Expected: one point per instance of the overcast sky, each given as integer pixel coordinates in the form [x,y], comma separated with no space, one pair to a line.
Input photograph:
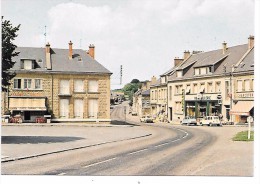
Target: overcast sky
[142,35]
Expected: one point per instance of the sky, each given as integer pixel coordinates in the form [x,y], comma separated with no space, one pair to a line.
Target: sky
[144,36]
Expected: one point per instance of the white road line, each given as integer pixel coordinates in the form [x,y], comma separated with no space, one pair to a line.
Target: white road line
[137,151]
[99,162]
[175,140]
[161,144]
[61,174]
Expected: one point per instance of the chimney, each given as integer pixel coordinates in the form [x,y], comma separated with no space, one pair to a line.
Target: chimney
[251,41]
[186,55]
[48,56]
[153,80]
[177,61]
[70,50]
[91,51]
[224,45]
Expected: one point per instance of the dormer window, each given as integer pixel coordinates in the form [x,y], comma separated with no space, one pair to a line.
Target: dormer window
[179,74]
[203,70]
[27,64]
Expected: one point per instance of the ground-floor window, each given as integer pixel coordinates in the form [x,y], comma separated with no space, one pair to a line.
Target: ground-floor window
[64,108]
[78,108]
[93,108]
[202,108]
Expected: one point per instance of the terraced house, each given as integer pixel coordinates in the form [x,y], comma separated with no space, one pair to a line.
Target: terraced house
[213,83]
[69,84]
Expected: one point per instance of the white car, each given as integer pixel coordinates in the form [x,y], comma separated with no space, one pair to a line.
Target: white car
[210,121]
[146,119]
[189,121]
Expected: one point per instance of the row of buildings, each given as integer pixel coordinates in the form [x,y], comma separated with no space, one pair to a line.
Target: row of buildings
[218,82]
[63,84]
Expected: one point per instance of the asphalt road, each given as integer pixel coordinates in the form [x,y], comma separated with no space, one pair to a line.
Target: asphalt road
[161,154]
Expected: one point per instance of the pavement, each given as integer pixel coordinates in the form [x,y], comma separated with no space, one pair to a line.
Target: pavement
[21,141]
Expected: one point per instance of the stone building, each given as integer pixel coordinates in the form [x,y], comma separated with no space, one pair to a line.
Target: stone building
[203,84]
[243,87]
[159,95]
[68,84]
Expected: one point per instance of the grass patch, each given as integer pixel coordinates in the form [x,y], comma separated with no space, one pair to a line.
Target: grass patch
[242,136]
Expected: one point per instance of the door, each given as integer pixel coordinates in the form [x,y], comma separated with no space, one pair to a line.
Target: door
[27,115]
[78,108]
[64,108]
[92,108]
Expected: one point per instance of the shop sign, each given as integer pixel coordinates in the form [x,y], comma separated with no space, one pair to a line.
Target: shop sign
[200,97]
[245,95]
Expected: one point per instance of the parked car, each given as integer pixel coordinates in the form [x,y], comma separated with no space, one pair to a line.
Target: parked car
[134,113]
[146,119]
[210,121]
[188,120]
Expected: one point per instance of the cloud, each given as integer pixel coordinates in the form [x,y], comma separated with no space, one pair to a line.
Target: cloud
[144,36]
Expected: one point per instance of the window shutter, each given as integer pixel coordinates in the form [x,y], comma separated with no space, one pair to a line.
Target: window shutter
[22,64]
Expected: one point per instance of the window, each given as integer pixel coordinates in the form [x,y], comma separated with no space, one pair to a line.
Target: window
[239,85]
[92,108]
[78,85]
[227,89]
[27,64]
[210,87]
[252,85]
[37,83]
[203,71]
[247,85]
[197,71]
[78,108]
[202,88]
[218,87]
[179,73]
[187,89]
[195,88]
[170,93]
[17,83]
[64,108]
[209,69]
[64,87]
[93,86]
[27,83]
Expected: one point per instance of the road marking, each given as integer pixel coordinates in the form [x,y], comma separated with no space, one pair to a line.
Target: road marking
[137,151]
[61,174]
[175,140]
[101,162]
[161,144]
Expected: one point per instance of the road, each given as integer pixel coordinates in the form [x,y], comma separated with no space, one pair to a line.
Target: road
[170,150]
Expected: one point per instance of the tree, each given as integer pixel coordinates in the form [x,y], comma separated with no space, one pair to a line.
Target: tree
[8,51]
[135,81]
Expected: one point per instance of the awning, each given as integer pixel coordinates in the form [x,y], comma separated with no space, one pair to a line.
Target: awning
[242,108]
[29,104]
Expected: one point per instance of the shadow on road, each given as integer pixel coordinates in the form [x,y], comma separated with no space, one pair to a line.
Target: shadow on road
[37,139]
[116,122]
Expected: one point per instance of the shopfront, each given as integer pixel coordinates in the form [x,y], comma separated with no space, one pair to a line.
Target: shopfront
[29,109]
[200,106]
[241,110]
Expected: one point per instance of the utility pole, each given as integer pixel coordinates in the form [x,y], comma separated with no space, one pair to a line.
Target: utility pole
[121,73]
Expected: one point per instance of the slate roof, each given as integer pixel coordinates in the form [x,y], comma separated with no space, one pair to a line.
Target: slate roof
[146,92]
[247,63]
[60,61]
[215,57]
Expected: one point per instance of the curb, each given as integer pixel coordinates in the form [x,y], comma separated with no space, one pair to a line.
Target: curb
[71,149]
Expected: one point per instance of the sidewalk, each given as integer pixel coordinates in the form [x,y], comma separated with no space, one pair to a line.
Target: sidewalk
[21,141]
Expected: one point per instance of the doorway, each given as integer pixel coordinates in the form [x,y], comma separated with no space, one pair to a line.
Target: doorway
[27,115]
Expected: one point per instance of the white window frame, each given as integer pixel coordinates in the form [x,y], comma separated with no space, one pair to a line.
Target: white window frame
[27,83]
[16,86]
[239,85]
[64,108]
[93,108]
[27,64]
[38,85]
[247,85]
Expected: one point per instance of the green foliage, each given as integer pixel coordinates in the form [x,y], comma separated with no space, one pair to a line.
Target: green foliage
[242,136]
[135,81]
[8,36]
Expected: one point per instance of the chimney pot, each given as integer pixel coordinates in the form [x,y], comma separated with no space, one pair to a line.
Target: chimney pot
[251,40]
[48,48]
[177,61]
